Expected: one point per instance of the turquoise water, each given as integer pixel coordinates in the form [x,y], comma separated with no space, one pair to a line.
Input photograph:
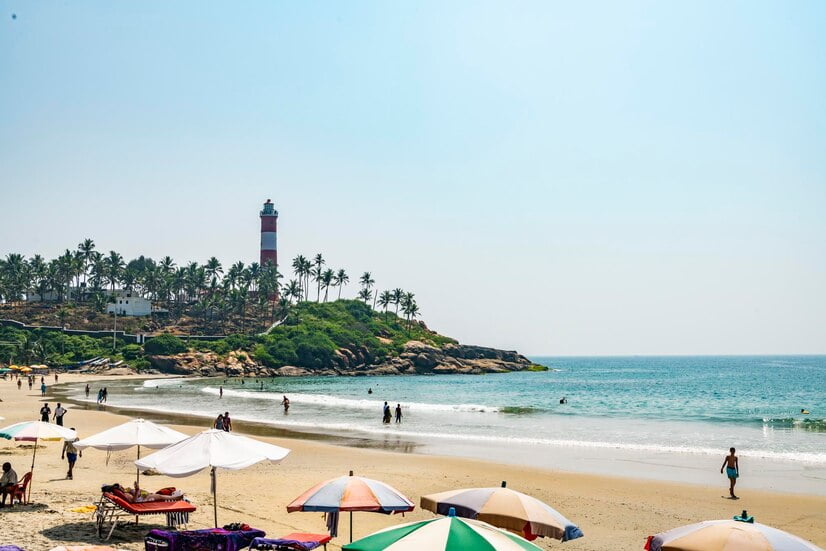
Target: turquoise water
[682,405]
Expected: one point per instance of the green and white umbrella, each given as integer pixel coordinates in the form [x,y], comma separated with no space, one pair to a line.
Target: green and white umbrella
[449,533]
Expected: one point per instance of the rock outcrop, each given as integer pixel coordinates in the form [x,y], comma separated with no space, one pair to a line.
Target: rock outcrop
[417,358]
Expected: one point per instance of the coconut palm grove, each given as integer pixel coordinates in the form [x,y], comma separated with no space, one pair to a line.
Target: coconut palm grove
[300,322]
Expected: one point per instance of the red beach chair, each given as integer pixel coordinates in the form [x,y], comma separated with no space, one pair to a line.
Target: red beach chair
[112,508]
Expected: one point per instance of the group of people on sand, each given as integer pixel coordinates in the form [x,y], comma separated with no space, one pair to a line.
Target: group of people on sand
[223,422]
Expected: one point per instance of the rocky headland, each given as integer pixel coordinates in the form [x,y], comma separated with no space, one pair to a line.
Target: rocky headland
[417,358]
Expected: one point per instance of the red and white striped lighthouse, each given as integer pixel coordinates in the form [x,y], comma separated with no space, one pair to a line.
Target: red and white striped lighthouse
[269,221]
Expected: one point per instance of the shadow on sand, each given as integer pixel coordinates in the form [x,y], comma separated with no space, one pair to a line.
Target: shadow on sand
[85,532]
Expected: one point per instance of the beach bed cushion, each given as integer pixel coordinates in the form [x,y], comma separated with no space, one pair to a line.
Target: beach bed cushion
[299,541]
[209,539]
[151,507]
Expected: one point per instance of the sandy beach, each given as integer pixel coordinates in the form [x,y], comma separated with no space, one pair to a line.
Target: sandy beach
[614,513]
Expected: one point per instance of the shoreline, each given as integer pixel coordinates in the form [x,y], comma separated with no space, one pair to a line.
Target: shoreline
[613,512]
[638,462]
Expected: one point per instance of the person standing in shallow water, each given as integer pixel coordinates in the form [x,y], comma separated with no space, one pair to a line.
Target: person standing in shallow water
[732,467]
[398,413]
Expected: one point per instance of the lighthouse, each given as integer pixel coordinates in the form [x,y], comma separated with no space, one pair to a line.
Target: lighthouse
[269,220]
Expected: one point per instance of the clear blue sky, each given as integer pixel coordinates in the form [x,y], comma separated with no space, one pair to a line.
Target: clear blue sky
[556,177]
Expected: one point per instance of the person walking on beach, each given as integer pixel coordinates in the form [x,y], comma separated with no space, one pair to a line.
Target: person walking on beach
[398,413]
[220,392]
[42,389]
[87,390]
[227,422]
[31,382]
[70,453]
[105,394]
[59,412]
[45,411]
[55,376]
[732,467]
[100,395]
[219,422]
[19,383]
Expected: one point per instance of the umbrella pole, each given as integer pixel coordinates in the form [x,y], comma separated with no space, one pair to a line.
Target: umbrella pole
[34,454]
[138,479]
[214,496]
[351,526]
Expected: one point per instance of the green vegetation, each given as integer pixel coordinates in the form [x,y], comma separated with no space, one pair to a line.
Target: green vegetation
[537,367]
[165,345]
[311,336]
[312,332]
[55,348]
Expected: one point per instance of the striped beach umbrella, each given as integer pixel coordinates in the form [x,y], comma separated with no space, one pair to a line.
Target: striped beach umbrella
[34,431]
[449,533]
[505,508]
[351,493]
[722,535]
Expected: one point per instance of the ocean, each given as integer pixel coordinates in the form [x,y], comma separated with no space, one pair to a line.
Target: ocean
[670,418]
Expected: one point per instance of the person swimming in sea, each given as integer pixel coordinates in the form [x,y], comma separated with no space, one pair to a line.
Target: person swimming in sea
[369,391]
[804,412]
[732,467]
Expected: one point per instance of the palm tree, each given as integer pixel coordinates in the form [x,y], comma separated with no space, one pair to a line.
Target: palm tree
[293,291]
[398,294]
[318,262]
[301,271]
[341,279]
[86,248]
[114,268]
[365,295]
[367,281]
[409,307]
[385,298]
[327,278]
[213,270]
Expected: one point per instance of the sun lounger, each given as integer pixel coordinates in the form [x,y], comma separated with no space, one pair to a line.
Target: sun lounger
[113,508]
[210,538]
[297,541]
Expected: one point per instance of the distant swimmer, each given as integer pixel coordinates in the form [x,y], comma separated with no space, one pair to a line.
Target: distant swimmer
[564,400]
[732,467]
[804,411]
[369,391]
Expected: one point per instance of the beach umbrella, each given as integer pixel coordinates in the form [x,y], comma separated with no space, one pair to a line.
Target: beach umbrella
[722,535]
[213,449]
[351,493]
[505,508]
[449,533]
[34,431]
[137,432]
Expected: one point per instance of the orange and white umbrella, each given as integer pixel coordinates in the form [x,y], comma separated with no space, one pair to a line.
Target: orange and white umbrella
[505,508]
[727,535]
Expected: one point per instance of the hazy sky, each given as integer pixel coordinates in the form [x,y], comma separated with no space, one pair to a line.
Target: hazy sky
[555,177]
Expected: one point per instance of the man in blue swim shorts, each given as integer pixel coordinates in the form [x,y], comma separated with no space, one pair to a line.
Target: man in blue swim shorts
[70,452]
[732,468]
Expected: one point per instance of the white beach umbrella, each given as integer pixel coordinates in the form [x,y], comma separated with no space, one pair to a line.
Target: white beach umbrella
[34,431]
[137,432]
[211,448]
